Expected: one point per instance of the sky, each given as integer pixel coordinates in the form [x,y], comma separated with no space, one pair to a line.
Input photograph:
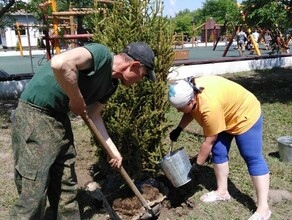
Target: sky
[171,7]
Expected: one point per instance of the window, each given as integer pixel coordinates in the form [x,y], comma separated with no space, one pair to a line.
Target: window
[21,31]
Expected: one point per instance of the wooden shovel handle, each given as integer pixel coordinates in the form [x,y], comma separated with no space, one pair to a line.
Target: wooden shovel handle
[122,171]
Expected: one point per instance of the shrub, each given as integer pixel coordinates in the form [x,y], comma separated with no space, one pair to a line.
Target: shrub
[135,116]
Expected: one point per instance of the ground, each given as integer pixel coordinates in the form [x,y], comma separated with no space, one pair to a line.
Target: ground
[177,203]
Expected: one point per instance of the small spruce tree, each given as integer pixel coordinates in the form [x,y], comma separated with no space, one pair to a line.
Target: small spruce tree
[135,116]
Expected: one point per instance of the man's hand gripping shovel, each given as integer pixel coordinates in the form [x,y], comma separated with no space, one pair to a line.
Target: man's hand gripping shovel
[150,212]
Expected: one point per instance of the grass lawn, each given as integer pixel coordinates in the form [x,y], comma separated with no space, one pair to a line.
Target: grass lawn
[274,90]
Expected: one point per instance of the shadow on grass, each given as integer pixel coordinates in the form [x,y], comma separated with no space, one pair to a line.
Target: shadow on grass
[207,180]
[269,86]
[275,154]
[88,205]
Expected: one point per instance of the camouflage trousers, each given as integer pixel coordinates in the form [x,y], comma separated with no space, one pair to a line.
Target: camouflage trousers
[44,159]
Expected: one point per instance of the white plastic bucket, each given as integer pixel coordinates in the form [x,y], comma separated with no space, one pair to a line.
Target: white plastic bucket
[285,148]
[176,166]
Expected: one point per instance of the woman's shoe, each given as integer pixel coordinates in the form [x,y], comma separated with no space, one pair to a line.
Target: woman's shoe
[213,197]
[257,216]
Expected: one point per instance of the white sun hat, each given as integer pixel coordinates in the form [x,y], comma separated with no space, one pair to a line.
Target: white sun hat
[180,93]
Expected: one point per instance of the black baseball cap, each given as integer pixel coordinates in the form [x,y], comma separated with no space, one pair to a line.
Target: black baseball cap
[144,54]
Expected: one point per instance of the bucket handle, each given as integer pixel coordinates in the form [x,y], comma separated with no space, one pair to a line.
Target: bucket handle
[171,147]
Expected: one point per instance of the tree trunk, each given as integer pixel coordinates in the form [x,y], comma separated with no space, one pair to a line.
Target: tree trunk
[6,7]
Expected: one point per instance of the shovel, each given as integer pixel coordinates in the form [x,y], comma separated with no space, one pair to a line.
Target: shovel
[122,171]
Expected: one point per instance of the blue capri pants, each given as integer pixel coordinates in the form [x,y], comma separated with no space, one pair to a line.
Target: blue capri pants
[249,145]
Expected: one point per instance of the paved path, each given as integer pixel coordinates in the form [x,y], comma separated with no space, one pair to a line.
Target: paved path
[12,63]
[21,65]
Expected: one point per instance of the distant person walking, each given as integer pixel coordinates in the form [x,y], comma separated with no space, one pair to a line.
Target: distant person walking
[241,39]
[268,39]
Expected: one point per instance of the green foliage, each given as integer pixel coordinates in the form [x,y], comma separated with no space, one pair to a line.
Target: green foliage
[183,22]
[268,14]
[6,8]
[221,10]
[135,115]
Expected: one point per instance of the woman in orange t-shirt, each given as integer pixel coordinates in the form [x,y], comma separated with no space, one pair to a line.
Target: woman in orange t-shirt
[225,110]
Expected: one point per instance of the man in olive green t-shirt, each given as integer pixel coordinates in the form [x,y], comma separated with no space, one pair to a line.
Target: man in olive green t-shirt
[80,80]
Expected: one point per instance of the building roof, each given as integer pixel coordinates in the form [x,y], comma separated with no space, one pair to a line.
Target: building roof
[210,23]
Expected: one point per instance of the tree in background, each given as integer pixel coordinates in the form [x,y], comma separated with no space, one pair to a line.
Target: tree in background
[268,14]
[184,21]
[220,10]
[135,116]
[6,8]
[259,13]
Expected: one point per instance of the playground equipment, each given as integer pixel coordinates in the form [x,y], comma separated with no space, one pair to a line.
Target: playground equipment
[54,39]
[181,54]
[235,29]
[231,40]
[179,40]
[209,32]
[254,43]
[224,32]
[50,29]
[278,43]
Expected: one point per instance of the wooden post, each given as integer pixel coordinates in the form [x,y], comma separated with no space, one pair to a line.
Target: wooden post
[230,41]
[19,39]
[193,32]
[214,35]
[72,27]
[182,40]
[43,7]
[55,22]
[206,33]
